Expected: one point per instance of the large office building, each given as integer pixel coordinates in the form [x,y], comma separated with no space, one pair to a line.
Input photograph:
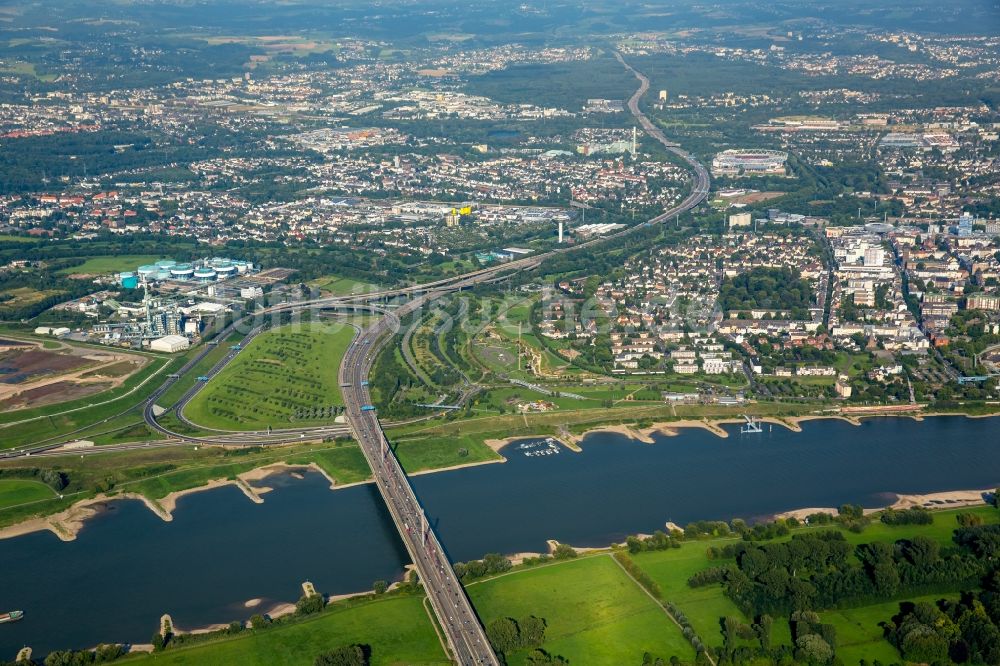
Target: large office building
[739,162]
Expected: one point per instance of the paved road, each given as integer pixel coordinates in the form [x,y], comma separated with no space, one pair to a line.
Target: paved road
[462,627]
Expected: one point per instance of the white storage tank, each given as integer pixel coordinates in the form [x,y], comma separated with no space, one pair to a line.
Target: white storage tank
[147,271]
[204,274]
[182,272]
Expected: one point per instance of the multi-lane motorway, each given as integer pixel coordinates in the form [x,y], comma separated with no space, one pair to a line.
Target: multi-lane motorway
[464,632]
[462,627]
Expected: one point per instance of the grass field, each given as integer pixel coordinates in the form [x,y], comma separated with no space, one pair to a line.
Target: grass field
[284,376]
[397,629]
[702,606]
[859,635]
[16,491]
[26,68]
[342,286]
[422,453]
[113,263]
[595,613]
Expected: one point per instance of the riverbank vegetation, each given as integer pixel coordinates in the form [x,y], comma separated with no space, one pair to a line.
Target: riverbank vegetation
[157,472]
[392,629]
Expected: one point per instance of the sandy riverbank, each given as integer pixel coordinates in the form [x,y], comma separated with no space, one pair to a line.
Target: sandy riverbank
[714,426]
[950,499]
[276,610]
[582,550]
[451,468]
[641,435]
[67,523]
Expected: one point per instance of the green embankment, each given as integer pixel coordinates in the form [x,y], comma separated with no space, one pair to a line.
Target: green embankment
[285,377]
[424,453]
[397,629]
[18,491]
[213,356]
[595,613]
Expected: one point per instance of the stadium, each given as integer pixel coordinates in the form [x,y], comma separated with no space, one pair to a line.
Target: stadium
[738,162]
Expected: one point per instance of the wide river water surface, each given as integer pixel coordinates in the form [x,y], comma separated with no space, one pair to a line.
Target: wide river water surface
[127,567]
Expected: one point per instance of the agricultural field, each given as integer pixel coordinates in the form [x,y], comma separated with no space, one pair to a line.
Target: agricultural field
[112,264]
[85,416]
[594,612]
[20,365]
[397,629]
[295,44]
[9,238]
[285,376]
[52,393]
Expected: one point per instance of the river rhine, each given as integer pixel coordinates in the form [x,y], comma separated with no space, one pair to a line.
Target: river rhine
[127,567]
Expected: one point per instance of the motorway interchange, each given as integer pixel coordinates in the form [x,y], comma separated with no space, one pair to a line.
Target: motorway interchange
[464,632]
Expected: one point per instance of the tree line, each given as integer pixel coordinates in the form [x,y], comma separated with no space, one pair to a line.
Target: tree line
[814,571]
